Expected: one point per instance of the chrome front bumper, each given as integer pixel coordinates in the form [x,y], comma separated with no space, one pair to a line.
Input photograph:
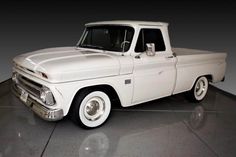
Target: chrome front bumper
[42,111]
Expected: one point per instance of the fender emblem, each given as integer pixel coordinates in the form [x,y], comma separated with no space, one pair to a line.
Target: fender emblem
[128,81]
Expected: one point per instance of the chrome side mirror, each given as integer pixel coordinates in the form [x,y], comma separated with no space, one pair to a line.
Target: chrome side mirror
[150,49]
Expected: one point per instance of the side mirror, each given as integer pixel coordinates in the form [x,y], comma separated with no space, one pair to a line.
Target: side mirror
[150,49]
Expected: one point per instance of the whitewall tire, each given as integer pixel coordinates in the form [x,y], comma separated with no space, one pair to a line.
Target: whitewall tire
[199,90]
[91,108]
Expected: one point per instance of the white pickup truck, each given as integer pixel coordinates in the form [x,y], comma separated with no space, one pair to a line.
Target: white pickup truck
[130,62]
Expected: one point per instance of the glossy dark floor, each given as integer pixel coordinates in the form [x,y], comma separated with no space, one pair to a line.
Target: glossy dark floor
[169,127]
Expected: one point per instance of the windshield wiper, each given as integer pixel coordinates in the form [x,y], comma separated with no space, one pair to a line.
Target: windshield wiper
[92,46]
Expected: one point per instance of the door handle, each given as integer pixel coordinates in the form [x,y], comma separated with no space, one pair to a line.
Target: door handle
[137,57]
[170,57]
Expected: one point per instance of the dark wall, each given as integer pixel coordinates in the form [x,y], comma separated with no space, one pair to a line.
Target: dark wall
[32,25]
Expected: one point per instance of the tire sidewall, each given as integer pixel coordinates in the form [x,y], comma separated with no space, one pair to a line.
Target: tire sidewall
[200,98]
[92,124]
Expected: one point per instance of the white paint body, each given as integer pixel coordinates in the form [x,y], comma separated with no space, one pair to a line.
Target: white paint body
[69,69]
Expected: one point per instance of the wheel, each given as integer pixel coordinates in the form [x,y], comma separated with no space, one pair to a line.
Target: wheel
[199,90]
[91,109]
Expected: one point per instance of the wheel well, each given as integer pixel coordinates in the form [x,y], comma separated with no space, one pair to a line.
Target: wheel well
[109,90]
[209,78]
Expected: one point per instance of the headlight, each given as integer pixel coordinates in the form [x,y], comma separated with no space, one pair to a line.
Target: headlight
[46,96]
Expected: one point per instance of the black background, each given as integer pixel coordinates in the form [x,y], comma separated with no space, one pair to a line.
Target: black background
[32,25]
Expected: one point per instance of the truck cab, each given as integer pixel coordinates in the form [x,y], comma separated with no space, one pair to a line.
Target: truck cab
[150,66]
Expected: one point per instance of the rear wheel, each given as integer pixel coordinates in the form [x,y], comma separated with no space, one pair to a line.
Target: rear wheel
[199,90]
[91,108]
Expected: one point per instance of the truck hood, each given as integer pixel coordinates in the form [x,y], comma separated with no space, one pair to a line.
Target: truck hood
[63,64]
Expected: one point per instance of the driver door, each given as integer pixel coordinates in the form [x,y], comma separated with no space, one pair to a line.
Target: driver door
[154,76]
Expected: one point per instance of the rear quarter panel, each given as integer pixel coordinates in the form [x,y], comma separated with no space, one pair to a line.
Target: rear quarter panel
[190,67]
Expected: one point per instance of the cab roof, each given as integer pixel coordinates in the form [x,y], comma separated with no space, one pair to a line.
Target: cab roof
[128,23]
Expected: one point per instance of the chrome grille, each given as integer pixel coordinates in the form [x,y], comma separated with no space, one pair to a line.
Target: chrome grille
[29,85]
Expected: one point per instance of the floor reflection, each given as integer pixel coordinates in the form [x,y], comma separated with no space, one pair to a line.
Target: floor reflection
[198,118]
[96,144]
[170,139]
[171,126]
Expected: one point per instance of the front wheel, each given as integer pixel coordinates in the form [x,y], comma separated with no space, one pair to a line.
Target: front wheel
[199,90]
[91,108]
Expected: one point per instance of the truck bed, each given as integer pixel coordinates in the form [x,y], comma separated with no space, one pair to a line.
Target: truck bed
[191,56]
[192,63]
[186,51]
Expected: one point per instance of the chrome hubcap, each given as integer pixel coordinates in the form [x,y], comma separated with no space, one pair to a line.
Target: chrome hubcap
[200,88]
[94,108]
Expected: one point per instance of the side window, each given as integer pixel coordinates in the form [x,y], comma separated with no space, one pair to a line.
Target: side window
[150,36]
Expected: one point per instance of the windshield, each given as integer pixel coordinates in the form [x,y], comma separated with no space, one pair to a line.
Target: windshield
[110,38]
